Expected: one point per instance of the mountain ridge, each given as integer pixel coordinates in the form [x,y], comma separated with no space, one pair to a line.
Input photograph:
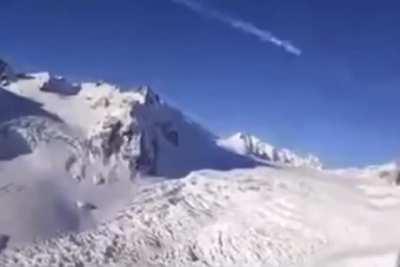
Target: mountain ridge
[110,125]
[247,144]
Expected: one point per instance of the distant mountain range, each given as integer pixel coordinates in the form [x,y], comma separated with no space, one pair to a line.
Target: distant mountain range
[246,144]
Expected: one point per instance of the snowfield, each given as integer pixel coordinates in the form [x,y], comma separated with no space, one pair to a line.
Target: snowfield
[94,175]
[259,217]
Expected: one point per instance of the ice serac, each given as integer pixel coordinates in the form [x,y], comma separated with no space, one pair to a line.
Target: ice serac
[246,144]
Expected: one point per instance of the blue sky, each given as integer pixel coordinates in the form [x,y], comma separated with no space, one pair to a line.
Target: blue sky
[339,99]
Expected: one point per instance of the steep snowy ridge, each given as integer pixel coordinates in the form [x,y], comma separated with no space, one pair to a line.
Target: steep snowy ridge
[246,144]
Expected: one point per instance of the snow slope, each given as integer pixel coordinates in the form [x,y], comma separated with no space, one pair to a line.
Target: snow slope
[259,217]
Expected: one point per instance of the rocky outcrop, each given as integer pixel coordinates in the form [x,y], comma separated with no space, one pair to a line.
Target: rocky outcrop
[119,141]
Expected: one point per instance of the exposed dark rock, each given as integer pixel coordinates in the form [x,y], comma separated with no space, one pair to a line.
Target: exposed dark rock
[113,143]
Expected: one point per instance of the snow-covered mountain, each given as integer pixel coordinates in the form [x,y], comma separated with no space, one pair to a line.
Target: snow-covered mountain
[106,129]
[89,177]
[246,144]
[84,148]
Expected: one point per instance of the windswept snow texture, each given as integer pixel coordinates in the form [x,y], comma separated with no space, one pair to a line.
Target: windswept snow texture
[260,217]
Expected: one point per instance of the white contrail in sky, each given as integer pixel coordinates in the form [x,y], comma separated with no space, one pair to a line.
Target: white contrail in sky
[241,25]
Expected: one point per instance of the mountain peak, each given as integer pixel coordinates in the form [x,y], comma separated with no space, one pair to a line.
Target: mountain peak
[150,97]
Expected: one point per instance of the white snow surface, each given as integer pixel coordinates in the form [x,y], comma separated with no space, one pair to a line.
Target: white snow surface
[93,175]
[258,217]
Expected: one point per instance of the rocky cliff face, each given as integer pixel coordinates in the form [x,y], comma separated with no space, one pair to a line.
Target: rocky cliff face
[122,139]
